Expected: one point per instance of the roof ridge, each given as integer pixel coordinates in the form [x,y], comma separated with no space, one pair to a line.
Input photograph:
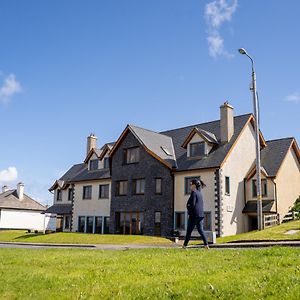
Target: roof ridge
[161,133]
[195,125]
[280,139]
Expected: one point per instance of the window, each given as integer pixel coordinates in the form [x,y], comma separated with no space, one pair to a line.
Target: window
[93,164]
[104,191]
[132,155]
[139,186]
[227,185]
[187,181]
[98,224]
[67,222]
[207,221]
[121,188]
[106,163]
[179,220]
[106,224]
[264,188]
[58,195]
[87,192]
[197,149]
[158,186]
[157,227]
[81,224]
[70,194]
[89,224]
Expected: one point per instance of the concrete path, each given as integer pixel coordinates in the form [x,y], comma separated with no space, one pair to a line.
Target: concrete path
[132,246]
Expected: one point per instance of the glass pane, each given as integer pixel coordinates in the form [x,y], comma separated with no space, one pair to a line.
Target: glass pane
[81,221]
[89,224]
[106,224]
[98,225]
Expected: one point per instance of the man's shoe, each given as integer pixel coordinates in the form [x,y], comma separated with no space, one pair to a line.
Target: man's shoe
[206,247]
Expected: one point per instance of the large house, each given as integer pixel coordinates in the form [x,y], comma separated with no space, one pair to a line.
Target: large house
[19,211]
[140,183]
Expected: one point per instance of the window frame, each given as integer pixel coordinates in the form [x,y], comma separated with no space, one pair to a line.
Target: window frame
[70,193]
[134,181]
[59,195]
[126,152]
[92,163]
[194,144]
[101,196]
[84,194]
[161,185]
[106,163]
[264,188]
[179,213]
[227,185]
[118,188]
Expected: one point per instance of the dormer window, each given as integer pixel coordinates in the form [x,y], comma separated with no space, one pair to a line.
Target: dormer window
[197,149]
[93,164]
[106,163]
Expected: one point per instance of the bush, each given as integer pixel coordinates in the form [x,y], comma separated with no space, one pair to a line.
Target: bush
[296,207]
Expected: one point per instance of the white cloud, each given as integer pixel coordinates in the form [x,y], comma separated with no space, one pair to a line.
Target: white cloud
[8,175]
[216,13]
[10,87]
[295,97]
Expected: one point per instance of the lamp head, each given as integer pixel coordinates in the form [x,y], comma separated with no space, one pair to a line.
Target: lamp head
[242,51]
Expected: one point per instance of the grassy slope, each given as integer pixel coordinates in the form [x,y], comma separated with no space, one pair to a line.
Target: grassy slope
[79,238]
[272,233]
[152,273]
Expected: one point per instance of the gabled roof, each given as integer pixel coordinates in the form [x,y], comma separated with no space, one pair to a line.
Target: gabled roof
[92,151]
[10,200]
[251,206]
[86,175]
[218,155]
[207,136]
[274,154]
[158,145]
[105,149]
[64,180]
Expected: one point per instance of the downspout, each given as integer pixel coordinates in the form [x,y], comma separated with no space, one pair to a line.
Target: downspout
[218,200]
[72,207]
[276,200]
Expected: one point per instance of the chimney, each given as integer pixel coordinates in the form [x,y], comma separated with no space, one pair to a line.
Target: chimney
[226,124]
[4,188]
[20,190]
[91,143]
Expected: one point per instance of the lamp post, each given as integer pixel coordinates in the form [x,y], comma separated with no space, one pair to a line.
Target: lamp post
[257,144]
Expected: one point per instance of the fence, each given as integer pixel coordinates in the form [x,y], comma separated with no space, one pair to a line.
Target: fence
[293,215]
[270,220]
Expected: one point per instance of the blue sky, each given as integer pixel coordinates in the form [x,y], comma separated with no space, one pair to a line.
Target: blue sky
[70,67]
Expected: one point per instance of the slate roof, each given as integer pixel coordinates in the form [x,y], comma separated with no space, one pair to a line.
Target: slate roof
[86,175]
[60,209]
[217,154]
[273,155]
[158,143]
[251,206]
[73,171]
[9,199]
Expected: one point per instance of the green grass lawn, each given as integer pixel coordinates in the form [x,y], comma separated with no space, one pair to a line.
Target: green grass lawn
[273,234]
[272,273]
[79,238]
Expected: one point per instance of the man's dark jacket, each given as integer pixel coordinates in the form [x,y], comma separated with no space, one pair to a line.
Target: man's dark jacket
[195,204]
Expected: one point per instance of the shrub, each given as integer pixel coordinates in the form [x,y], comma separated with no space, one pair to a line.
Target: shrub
[296,207]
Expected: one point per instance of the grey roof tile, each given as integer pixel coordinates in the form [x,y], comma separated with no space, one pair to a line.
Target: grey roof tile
[60,209]
[217,154]
[251,206]
[9,199]
[273,155]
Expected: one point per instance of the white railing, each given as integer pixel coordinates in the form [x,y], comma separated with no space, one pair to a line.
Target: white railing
[290,216]
[270,220]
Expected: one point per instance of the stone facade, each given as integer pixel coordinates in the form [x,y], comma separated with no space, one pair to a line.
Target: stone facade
[148,168]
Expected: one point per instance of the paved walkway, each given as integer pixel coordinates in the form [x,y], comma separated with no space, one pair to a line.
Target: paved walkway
[132,246]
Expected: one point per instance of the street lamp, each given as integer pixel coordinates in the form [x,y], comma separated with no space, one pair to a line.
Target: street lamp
[258,162]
